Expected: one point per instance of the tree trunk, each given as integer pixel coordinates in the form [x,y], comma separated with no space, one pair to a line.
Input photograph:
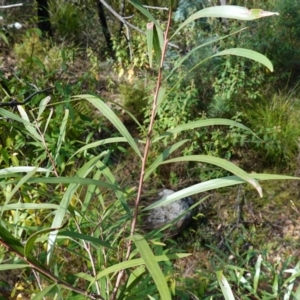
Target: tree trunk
[43,15]
[106,33]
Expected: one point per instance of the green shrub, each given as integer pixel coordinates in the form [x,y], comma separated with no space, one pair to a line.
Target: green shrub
[67,19]
[135,99]
[276,122]
[80,238]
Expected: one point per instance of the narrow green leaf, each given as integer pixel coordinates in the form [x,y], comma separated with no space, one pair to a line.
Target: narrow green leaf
[100,143]
[112,117]
[265,61]
[144,11]
[113,181]
[80,236]
[13,170]
[225,287]
[129,264]
[136,273]
[275,286]
[44,292]
[31,240]
[152,266]
[259,13]
[202,123]
[4,267]
[248,54]
[297,293]
[222,163]
[148,15]
[43,105]
[290,282]
[7,114]
[149,34]
[48,120]
[180,61]
[66,180]
[7,238]
[225,11]
[158,40]
[30,127]
[257,272]
[273,177]
[62,134]
[161,95]
[21,205]
[39,63]
[214,184]
[160,158]
[3,37]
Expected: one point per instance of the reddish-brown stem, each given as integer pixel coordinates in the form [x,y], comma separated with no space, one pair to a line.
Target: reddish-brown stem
[146,152]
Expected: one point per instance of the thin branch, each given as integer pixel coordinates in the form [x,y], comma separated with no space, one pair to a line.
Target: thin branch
[156,7]
[14,103]
[36,265]
[12,5]
[145,156]
[123,19]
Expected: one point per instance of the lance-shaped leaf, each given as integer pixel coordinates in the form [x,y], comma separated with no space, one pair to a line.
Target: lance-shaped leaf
[100,143]
[202,123]
[152,266]
[226,11]
[181,60]
[257,273]
[3,37]
[222,163]
[43,105]
[214,184]
[256,56]
[67,180]
[30,127]
[15,246]
[80,236]
[112,117]
[31,240]
[150,28]
[160,97]
[22,205]
[248,54]
[160,158]
[62,134]
[128,264]
[157,45]
[225,287]
[9,115]
[14,170]
[41,295]
[147,14]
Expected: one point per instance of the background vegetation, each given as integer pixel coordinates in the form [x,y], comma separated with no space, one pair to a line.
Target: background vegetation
[252,241]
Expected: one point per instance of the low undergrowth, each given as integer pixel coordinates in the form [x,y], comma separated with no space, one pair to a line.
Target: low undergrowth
[76,175]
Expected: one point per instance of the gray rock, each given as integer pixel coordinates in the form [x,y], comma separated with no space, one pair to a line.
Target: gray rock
[160,216]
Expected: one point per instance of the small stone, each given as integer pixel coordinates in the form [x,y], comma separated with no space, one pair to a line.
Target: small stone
[160,216]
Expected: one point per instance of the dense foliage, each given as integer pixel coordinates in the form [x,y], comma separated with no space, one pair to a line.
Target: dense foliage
[75,170]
